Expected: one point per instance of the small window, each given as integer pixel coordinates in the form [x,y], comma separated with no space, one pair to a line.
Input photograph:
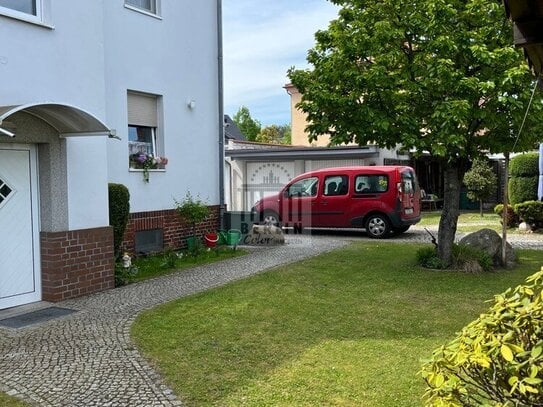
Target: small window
[336,185]
[22,6]
[371,184]
[143,132]
[303,187]
[146,5]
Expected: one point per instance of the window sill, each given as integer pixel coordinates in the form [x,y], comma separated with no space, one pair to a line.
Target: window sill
[142,11]
[150,170]
[25,18]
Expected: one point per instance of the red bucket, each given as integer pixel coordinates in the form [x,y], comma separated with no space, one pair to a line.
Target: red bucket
[211,239]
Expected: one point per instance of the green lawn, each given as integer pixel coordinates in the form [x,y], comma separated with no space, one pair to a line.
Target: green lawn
[6,400]
[169,262]
[467,221]
[347,328]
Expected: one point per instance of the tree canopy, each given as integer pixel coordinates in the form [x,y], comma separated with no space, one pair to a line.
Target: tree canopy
[437,76]
[248,126]
[275,134]
[481,182]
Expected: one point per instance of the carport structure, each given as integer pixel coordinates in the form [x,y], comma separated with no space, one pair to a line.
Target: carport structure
[527,17]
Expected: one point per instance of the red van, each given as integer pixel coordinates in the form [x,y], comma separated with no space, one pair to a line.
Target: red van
[384,200]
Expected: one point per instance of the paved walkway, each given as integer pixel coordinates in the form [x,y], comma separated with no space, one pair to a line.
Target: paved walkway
[88,359]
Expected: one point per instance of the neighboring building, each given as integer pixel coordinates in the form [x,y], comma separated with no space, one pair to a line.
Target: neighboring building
[72,76]
[254,170]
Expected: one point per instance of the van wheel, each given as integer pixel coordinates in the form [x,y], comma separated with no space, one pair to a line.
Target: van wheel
[271,218]
[377,226]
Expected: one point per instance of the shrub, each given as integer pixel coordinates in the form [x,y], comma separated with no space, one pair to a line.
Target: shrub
[524,171]
[512,217]
[524,165]
[470,259]
[427,257]
[192,210]
[530,212]
[119,210]
[522,189]
[496,359]
[465,258]
[170,258]
[481,182]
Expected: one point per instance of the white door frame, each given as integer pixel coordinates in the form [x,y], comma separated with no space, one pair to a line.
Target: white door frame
[36,295]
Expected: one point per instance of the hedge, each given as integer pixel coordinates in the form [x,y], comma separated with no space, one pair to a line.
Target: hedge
[525,165]
[522,189]
[119,210]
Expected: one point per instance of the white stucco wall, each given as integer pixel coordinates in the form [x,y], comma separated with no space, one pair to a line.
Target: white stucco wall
[64,65]
[174,57]
[96,52]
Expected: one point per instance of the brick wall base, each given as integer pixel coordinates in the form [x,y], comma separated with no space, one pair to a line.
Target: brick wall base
[174,229]
[77,262]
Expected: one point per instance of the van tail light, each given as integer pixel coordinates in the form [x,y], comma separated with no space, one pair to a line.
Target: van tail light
[399,188]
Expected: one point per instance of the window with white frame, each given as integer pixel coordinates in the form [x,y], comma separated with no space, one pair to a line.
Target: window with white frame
[142,128]
[145,5]
[21,8]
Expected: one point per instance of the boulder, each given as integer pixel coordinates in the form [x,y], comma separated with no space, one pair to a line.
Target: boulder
[265,235]
[490,242]
[524,228]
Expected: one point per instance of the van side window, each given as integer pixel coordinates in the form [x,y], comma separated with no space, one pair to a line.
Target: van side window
[303,187]
[336,185]
[370,184]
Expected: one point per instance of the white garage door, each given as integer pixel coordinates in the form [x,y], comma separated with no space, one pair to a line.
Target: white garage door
[19,259]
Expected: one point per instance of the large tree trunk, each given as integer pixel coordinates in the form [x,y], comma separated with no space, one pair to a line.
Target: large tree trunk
[454,173]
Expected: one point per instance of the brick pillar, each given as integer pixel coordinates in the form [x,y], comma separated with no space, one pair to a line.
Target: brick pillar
[77,262]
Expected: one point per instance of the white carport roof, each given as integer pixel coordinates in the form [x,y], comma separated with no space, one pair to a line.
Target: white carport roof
[68,120]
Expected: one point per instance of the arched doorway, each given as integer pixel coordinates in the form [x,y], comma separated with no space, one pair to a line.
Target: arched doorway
[33,198]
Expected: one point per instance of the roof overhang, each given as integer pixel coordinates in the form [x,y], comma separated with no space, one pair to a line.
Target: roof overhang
[303,153]
[527,17]
[67,120]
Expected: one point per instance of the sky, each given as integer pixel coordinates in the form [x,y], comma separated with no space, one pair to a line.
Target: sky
[262,39]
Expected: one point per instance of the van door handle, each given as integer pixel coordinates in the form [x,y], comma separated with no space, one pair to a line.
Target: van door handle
[324,202]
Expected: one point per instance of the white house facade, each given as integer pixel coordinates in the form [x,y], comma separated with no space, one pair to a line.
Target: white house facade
[88,92]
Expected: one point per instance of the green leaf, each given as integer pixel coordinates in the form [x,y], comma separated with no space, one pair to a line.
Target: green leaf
[507,353]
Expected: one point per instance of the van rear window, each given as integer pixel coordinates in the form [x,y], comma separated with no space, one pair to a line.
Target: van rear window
[370,184]
[409,182]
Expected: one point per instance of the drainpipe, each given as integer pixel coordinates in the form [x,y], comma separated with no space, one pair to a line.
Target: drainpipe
[221,114]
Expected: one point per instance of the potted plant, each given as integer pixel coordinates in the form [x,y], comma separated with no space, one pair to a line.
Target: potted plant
[147,162]
[193,211]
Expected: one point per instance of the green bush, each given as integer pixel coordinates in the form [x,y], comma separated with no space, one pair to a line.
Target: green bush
[470,259]
[464,258]
[496,359]
[481,182]
[427,257]
[522,189]
[530,212]
[512,217]
[524,165]
[192,210]
[119,210]
[524,171]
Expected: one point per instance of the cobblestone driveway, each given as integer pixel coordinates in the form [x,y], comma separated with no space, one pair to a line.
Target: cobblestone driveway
[87,358]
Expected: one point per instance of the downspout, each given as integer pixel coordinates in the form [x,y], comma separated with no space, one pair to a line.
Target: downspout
[221,113]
